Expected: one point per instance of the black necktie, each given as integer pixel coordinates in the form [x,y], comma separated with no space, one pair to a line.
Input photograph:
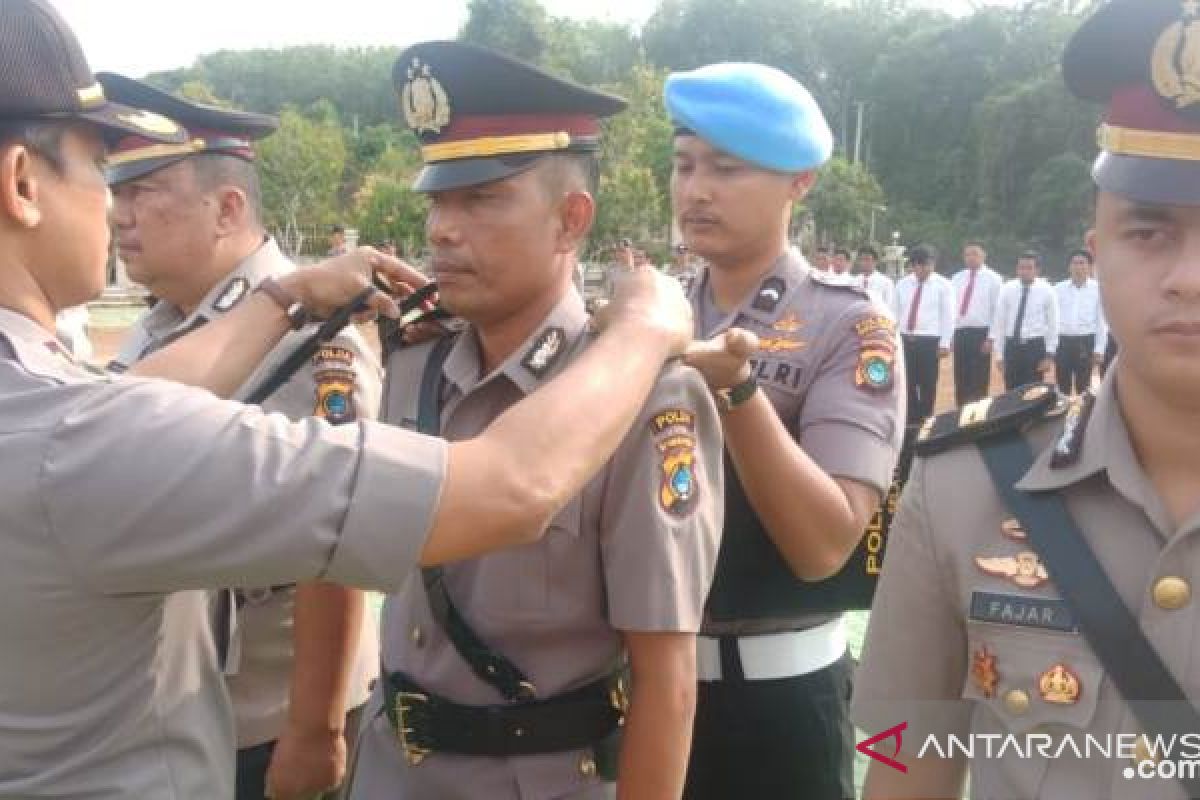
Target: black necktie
[1021,311]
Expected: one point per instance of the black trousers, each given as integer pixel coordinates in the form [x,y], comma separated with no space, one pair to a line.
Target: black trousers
[1021,360]
[921,366]
[786,739]
[972,369]
[1073,363]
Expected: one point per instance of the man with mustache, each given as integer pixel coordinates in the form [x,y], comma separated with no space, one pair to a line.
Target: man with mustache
[1097,643]
[123,498]
[812,434]
[503,676]
[298,659]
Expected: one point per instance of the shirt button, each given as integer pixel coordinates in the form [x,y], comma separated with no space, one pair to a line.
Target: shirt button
[1171,593]
[1017,702]
[417,636]
[587,767]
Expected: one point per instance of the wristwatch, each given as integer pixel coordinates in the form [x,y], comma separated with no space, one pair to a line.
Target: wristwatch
[292,307]
[730,398]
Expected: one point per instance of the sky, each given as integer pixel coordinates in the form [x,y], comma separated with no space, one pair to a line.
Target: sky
[139,36]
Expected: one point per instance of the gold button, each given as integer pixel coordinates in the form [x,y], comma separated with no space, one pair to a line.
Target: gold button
[418,636]
[587,767]
[1142,751]
[1171,593]
[1017,702]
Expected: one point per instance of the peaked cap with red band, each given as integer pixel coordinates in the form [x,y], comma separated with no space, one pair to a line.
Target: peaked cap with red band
[209,130]
[1142,58]
[482,116]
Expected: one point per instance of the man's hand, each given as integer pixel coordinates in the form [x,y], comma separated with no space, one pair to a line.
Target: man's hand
[652,300]
[326,287]
[943,352]
[724,359]
[306,764]
[986,347]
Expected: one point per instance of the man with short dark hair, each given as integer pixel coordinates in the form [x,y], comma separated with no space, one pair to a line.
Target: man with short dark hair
[976,289]
[924,309]
[880,286]
[1025,325]
[1081,340]
[298,659]
[840,266]
[337,240]
[821,259]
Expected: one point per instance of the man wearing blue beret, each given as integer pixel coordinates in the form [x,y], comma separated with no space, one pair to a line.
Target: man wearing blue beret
[812,430]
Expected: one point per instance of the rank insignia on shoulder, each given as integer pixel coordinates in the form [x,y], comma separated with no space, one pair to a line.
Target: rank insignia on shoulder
[231,295]
[1013,529]
[769,294]
[1060,685]
[1024,569]
[674,430]
[983,671]
[1070,443]
[986,417]
[333,369]
[545,351]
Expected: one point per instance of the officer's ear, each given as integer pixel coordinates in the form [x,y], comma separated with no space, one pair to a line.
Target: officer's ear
[576,213]
[232,208]
[19,186]
[1089,241]
[801,184]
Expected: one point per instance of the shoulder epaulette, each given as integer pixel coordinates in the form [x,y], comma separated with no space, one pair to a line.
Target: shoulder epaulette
[825,279]
[987,417]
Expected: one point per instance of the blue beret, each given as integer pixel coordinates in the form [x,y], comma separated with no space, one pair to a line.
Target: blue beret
[757,113]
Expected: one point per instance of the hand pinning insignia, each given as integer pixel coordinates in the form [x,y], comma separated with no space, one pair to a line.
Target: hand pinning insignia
[675,432]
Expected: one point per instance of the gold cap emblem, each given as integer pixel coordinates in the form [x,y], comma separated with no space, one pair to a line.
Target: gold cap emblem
[423,100]
[1175,62]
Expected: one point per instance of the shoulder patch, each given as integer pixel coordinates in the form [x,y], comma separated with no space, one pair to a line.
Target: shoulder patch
[231,295]
[1070,442]
[333,369]
[876,353]
[986,417]
[674,433]
[828,280]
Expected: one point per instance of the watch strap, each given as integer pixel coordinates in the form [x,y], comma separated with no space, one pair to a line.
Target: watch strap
[292,307]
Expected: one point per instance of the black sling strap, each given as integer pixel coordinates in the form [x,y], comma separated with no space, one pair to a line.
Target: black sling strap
[1109,627]
[491,667]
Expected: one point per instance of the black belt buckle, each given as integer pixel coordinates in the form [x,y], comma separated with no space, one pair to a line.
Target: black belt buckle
[412,720]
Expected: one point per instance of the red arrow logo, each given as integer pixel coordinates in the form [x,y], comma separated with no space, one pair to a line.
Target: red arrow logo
[896,732]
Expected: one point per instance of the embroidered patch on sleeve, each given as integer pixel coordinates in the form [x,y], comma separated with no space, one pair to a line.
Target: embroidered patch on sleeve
[674,432]
[876,353]
[333,369]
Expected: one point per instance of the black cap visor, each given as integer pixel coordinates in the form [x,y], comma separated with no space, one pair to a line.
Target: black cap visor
[443,175]
[1154,181]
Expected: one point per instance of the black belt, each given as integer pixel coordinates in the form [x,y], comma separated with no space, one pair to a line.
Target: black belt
[426,723]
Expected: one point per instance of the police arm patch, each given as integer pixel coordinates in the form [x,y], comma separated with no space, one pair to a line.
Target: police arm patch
[876,353]
[674,433]
[333,368]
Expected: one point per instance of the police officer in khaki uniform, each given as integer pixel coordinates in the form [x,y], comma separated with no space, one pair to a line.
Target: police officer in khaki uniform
[980,625]
[812,435]
[188,227]
[118,495]
[503,675]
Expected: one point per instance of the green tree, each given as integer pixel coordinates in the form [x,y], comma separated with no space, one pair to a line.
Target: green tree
[519,28]
[842,202]
[386,207]
[301,167]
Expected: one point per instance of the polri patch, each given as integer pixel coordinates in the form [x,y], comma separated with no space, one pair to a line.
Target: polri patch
[545,351]
[1049,614]
[674,430]
[333,368]
[231,295]
[769,294]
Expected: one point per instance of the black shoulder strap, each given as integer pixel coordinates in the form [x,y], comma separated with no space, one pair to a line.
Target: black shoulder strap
[1111,630]
[491,667]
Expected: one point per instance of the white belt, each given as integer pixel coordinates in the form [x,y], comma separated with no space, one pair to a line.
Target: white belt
[776,655]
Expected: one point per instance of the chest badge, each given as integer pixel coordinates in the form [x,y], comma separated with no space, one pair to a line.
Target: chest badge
[1060,685]
[788,323]
[983,671]
[1024,569]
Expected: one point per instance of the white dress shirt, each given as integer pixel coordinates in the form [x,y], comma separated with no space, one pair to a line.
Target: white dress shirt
[879,286]
[1041,314]
[1101,333]
[981,306]
[1079,310]
[935,314]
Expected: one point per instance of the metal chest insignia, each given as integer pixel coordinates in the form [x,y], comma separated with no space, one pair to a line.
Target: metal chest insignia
[674,430]
[1024,569]
[983,671]
[1060,685]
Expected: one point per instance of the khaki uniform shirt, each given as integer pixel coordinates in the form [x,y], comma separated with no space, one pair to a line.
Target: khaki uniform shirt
[341,383]
[960,642]
[625,555]
[117,496]
[829,364]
